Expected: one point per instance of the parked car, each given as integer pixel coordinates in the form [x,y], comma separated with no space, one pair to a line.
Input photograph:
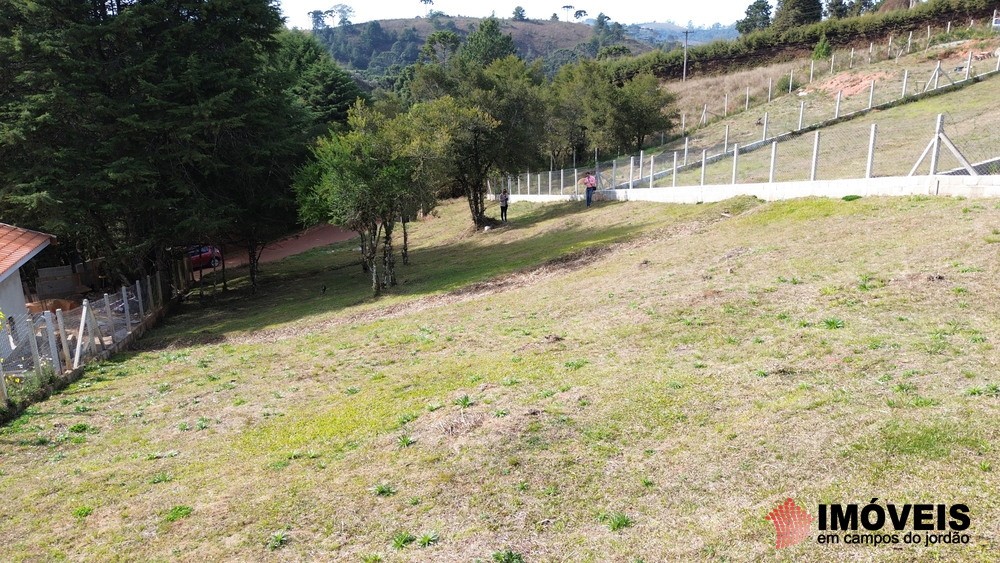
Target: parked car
[204,256]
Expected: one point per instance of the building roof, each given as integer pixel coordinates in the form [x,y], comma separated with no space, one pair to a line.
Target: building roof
[17,246]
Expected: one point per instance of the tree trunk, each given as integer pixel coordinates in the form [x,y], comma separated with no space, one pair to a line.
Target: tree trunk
[406,242]
[364,251]
[371,250]
[388,258]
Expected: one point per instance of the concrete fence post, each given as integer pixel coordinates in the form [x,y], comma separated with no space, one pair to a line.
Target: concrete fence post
[968,66]
[815,159]
[79,333]
[704,158]
[948,29]
[631,171]
[736,160]
[769,82]
[35,354]
[909,43]
[937,74]
[812,68]
[774,161]
[562,180]
[764,137]
[791,80]
[871,49]
[673,182]
[111,318]
[747,107]
[725,106]
[685,151]
[928,46]
[550,182]
[998,64]
[683,122]
[871,95]
[851,65]
[833,62]
[128,310]
[53,349]
[725,142]
[871,151]
[138,295]
[936,149]
[906,78]
[652,168]
[64,338]
[576,182]
[642,157]
[888,48]
[802,112]
[614,173]
[836,109]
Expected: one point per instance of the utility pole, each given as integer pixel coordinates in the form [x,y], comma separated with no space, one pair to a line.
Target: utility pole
[685,76]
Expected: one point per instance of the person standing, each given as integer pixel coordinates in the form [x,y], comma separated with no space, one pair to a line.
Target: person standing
[504,200]
[590,182]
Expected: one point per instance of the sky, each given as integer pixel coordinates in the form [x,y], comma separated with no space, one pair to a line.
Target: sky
[701,13]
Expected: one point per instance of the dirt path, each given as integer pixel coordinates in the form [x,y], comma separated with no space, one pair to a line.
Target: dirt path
[320,235]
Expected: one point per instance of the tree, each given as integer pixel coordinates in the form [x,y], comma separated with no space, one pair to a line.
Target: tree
[836,9]
[632,111]
[327,91]
[758,17]
[519,14]
[567,8]
[440,47]
[318,20]
[792,13]
[579,14]
[343,12]
[132,127]
[823,49]
[861,7]
[487,44]
[554,17]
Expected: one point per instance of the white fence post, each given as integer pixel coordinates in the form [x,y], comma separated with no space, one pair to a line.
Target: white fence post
[652,168]
[802,112]
[888,48]
[562,180]
[909,42]
[871,151]
[937,74]
[764,137]
[64,338]
[935,151]
[906,78]
[614,173]
[725,143]
[812,68]
[683,122]
[518,184]
[641,158]
[138,295]
[833,62]
[34,344]
[815,159]
[725,106]
[685,151]
[871,95]
[769,81]
[747,107]
[791,80]
[128,310]
[852,58]
[576,181]
[550,182]
[538,183]
[53,349]
[968,66]
[111,318]
[836,110]
[774,161]
[674,181]
[871,49]
[736,159]
[631,170]
[4,398]
[79,333]
[704,156]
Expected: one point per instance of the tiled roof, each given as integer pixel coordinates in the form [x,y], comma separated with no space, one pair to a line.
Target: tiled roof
[17,246]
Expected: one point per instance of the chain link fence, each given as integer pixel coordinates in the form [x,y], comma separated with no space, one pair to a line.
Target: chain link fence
[38,348]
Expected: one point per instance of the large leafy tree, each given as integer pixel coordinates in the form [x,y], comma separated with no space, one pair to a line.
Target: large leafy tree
[133,126]
[791,13]
[758,16]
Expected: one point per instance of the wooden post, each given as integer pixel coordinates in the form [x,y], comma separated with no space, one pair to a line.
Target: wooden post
[815,159]
[937,74]
[64,337]
[736,159]
[774,161]
[871,151]
[576,181]
[159,289]
[683,122]
[53,349]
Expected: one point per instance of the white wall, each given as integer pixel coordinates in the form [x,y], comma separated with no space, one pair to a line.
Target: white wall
[965,186]
[11,296]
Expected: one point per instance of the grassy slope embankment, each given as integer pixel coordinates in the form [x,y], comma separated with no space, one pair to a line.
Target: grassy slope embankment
[690,370]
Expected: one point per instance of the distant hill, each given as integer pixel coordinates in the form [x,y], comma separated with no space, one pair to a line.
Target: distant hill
[671,32]
[378,49]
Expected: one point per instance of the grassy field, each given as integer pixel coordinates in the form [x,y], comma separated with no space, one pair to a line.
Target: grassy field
[634,381]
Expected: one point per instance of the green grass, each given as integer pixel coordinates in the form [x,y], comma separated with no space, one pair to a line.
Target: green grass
[506,399]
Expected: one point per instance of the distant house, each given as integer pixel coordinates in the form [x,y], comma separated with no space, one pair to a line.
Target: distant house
[17,246]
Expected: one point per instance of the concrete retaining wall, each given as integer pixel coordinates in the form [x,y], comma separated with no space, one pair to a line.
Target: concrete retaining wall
[965,186]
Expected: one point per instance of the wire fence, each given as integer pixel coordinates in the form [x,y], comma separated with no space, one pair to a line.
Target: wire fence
[38,347]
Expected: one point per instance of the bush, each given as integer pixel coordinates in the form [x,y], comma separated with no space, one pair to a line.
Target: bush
[823,50]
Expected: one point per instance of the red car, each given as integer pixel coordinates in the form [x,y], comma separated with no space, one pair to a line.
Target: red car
[204,256]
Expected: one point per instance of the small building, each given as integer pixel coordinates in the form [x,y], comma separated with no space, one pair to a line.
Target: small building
[17,246]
